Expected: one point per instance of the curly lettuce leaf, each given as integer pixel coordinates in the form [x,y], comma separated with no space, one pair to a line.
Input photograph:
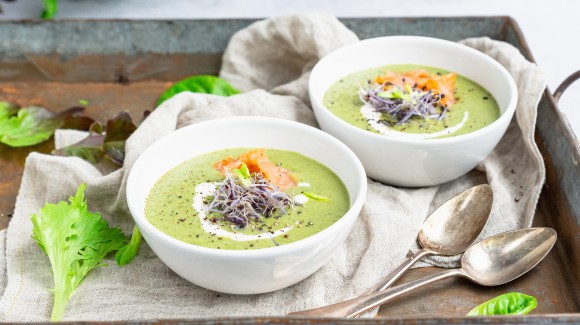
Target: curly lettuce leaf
[513,303]
[75,241]
[204,84]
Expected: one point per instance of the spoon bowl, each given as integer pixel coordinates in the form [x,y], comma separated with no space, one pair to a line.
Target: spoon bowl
[507,256]
[455,225]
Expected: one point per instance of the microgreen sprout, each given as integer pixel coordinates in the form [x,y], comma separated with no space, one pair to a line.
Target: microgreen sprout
[248,197]
[402,103]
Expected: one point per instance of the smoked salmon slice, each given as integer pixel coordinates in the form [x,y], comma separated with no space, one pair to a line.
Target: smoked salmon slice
[258,162]
[420,79]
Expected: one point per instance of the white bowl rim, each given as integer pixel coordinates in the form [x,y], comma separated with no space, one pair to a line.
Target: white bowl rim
[507,115]
[359,197]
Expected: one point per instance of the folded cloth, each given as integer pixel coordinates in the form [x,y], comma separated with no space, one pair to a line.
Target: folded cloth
[270,61]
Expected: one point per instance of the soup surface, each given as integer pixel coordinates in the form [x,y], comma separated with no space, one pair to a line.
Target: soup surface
[472,108]
[178,204]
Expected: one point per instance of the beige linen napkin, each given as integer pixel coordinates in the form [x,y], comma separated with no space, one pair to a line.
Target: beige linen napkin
[270,60]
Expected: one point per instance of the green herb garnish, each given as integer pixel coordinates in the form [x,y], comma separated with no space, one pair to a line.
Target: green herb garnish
[243,174]
[513,303]
[317,197]
[75,241]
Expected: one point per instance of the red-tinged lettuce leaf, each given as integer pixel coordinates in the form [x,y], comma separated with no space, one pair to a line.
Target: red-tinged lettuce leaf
[89,149]
[76,120]
[103,144]
[204,84]
[118,130]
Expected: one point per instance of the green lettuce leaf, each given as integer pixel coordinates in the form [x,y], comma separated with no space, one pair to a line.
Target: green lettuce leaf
[75,241]
[28,126]
[513,303]
[204,84]
[128,252]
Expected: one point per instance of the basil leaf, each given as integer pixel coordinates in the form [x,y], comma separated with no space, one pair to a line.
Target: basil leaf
[317,197]
[204,84]
[513,303]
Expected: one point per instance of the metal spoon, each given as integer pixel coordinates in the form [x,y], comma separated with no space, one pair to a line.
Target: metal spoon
[493,261]
[449,230]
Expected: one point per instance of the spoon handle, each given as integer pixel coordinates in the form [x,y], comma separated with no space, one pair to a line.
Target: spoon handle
[350,308]
[398,272]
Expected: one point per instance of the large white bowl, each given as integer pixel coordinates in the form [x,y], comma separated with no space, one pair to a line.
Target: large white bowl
[245,271]
[399,160]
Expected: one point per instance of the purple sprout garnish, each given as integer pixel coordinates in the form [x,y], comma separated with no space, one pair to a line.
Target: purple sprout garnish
[245,198]
[401,103]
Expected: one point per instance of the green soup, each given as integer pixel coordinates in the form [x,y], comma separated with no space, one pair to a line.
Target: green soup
[342,99]
[170,204]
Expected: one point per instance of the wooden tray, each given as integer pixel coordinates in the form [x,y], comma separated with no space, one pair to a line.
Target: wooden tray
[125,65]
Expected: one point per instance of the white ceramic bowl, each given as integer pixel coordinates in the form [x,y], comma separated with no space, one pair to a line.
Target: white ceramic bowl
[245,271]
[399,160]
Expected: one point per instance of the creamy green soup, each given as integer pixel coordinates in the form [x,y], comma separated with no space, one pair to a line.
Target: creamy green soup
[475,107]
[173,204]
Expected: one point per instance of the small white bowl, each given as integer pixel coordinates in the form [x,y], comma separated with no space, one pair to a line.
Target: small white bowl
[245,271]
[400,160]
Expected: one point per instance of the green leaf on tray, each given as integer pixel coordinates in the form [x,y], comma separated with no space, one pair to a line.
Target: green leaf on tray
[204,84]
[75,241]
[513,303]
[28,126]
[128,252]
[103,144]
[50,9]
